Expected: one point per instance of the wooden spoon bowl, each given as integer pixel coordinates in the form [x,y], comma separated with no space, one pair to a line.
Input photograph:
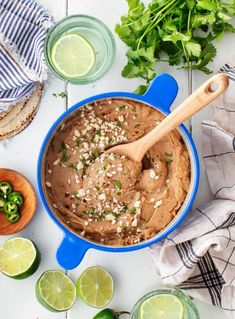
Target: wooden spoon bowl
[27,210]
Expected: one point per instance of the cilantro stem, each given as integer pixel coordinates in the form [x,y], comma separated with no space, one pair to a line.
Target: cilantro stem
[159,16]
[189,20]
[147,11]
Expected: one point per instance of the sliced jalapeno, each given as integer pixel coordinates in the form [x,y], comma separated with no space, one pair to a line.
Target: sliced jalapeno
[16,197]
[2,203]
[13,217]
[5,188]
[10,208]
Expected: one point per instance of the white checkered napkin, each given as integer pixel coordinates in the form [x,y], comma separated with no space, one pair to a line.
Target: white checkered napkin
[199,256]
[23,28]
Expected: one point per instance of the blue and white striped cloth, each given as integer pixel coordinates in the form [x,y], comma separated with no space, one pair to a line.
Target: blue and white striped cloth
[23,28]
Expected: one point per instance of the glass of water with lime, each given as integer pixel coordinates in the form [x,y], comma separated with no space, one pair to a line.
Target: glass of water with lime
[79,49]
[165,304]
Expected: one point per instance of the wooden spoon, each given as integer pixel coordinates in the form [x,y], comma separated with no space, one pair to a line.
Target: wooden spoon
[194,103]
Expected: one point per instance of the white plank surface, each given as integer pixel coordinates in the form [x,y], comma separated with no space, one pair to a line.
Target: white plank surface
[133,272]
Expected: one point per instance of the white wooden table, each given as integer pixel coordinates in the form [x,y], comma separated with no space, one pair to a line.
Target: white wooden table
[133,272]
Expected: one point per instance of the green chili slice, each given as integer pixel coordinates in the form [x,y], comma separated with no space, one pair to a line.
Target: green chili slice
[13,218]
[5,188]
[17,198]
[10,208]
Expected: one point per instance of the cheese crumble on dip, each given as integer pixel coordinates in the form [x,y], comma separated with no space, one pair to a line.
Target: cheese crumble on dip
[108,198]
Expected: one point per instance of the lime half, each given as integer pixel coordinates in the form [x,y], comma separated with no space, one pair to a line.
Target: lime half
[19,258]
[95,287]
[72,55]
[55,291]
[164,306]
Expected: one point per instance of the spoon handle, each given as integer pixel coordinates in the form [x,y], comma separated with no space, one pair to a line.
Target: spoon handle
[205,94]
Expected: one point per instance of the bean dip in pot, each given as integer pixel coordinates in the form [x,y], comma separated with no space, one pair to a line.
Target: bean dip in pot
[108,198]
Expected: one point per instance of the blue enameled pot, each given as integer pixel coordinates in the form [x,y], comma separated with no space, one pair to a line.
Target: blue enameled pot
[160,95]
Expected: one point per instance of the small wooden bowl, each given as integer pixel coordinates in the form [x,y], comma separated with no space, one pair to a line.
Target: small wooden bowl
[28,209]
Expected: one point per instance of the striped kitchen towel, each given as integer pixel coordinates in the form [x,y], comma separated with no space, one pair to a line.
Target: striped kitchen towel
[199,256]
[23,28]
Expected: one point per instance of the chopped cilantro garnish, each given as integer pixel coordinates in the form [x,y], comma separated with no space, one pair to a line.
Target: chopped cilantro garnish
[92,138]
[168,158]
[61,94]
[64,157]
[118,184]
[119,193]
[104,166]
[168,154]
[75,194]
[98,132]
[133,109]
[122,107]
[90,211]
[169,161]
[73,166]
[78,143]
[83,160]
[96,152]
[62,147]
[133,210]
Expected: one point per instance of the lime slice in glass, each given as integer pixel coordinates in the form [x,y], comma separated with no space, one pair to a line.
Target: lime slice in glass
[95,287]
[164,306]
[19,258]
[73,56]
[55,291]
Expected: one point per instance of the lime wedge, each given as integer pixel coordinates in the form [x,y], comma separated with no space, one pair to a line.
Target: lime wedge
[95,287]
[162,306]
[19,258]
[73,56]
[55,291]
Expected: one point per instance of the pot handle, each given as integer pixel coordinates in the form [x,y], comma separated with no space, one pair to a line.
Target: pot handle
[71,252]
[162,91]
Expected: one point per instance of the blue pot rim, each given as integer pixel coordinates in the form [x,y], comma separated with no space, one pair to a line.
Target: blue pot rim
[86,244]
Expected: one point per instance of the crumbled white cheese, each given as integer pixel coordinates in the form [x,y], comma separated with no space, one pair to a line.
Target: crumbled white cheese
[134,223]
[102,197]
[152,173]
[121,118]
[79,165]
[77,133]
[48,184]
[110,217]
[119,230]
[158,203]
[56,162]
[137,203]
[81,192]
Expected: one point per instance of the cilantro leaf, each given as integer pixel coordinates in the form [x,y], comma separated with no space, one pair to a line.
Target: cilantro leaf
[193,48]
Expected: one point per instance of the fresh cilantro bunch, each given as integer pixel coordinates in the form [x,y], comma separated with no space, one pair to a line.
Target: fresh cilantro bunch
[176,31]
